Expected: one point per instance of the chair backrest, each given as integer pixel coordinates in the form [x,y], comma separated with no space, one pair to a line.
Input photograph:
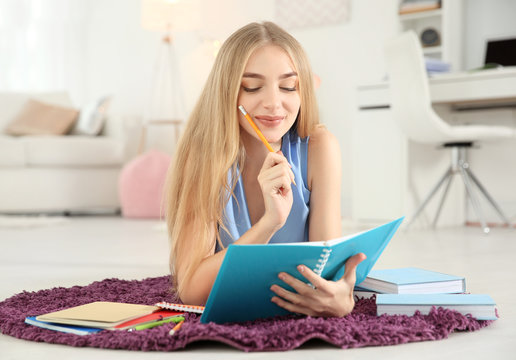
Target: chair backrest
[410,96]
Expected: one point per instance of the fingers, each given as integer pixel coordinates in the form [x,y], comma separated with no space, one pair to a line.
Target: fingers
[292,307]
[350,274]
[314,279]
[300,302]
[280,165]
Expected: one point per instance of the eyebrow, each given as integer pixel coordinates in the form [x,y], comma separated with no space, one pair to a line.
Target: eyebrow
[259,76]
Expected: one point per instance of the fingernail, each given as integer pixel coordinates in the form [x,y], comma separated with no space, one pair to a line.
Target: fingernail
[301,268]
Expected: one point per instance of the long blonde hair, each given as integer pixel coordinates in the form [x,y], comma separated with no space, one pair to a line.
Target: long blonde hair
[197,186]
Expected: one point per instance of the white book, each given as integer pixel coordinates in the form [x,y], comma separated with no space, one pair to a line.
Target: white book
[481,307]
[413,280]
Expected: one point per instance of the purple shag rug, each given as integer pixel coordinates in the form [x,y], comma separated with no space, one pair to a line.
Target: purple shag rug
[360,328]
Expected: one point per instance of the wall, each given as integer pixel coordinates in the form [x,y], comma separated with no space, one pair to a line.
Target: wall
[97,47]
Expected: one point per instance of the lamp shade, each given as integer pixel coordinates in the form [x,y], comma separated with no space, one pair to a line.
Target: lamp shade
[170,15]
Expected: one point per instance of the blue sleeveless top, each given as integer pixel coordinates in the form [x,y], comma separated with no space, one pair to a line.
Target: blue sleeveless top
[295,229]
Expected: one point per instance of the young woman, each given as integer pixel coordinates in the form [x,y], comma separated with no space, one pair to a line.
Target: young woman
[226,187]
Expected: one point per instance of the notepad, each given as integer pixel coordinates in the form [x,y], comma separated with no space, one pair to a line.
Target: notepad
[100,314]
[181,307]
[481,307]
[413,280]
[71,329]
[242,292]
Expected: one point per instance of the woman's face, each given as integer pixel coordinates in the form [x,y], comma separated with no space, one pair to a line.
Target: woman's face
[269,92]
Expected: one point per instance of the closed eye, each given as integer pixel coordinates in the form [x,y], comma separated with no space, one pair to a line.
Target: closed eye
[251,90]
[288,88]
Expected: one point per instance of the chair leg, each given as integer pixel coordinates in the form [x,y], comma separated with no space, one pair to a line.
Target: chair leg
[448,173]
[473,199]
[488,197]
[450,178]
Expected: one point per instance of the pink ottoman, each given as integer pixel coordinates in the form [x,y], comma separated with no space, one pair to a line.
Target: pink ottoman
[141,185]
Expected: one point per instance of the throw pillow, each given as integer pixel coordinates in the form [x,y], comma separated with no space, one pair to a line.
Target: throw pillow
[38,118]
[92,117]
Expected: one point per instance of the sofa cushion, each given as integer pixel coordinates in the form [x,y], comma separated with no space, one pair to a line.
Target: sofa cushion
[39,118]
[12,102]
[12,152]
[92,117]
[73,151]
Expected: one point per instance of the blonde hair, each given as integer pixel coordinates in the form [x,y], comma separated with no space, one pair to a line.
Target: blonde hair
[197,186]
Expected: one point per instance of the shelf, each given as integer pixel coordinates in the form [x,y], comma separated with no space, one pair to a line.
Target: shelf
[421,15]
[432,50]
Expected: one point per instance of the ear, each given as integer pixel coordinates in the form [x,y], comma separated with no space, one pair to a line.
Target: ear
[317,81]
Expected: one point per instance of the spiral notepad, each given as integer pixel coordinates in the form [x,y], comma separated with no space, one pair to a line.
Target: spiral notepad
[181,307]
[242,289]
[321,263]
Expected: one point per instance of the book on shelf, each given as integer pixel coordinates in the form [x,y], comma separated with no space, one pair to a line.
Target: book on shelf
[99,314]
[412,280]
[414,6]
[71,329]
[241,290]
[481,307]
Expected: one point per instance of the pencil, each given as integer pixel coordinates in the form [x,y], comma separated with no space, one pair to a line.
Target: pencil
[176,328]
[255,128]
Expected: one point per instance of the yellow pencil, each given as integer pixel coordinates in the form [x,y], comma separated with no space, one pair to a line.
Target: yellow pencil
[258,132]
[176,328]
[255,128]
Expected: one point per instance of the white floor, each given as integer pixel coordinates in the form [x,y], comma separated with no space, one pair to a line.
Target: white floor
[86,249]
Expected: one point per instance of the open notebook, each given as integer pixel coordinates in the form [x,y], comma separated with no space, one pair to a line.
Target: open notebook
[242,288]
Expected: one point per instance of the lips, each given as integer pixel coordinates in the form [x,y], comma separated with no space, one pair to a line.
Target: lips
[270,120]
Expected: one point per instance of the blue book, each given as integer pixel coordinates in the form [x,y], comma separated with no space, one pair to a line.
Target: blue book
[413,280]
[481,307]
[242,292]
[77,330]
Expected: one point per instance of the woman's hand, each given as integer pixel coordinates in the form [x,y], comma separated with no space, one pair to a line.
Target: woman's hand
[326,298]
[275,180]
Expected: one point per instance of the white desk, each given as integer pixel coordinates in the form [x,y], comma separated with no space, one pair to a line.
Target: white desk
[487,87]
[390,174]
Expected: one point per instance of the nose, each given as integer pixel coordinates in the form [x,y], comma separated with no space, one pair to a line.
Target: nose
[272,99]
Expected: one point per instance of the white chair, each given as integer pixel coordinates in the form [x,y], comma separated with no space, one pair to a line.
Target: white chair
[412,109]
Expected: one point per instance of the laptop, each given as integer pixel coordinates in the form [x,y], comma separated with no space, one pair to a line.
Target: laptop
[500,52]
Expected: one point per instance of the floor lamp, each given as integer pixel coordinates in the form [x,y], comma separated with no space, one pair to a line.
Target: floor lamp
[165,104]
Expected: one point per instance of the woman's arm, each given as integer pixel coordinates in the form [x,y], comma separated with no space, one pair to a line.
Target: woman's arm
[275,181]
[324,181]
[199,285]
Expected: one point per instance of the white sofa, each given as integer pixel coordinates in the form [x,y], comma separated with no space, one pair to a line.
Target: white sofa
[58,174]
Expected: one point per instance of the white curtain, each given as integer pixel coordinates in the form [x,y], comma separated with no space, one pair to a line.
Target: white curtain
[42,45]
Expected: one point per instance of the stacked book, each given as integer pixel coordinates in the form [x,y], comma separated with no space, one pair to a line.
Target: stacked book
[436,66]
[414,6]
[407,290]
[101,315]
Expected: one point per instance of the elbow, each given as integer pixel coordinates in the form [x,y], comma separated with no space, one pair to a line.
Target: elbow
[193,295]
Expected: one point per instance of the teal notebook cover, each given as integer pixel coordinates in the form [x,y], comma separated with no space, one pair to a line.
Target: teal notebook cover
[241,291]
[409,276]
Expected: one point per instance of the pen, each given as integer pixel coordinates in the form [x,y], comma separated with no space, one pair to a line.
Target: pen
[176,328]
[175,319]
[257,131]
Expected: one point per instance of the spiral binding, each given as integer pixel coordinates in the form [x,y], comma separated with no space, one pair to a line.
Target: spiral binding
[321,263]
